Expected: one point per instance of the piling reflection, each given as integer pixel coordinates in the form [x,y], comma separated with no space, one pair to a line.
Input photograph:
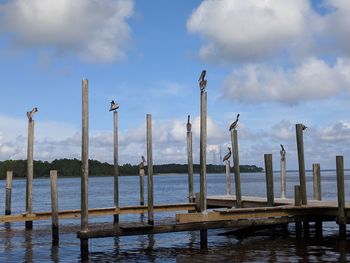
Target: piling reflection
[55,254]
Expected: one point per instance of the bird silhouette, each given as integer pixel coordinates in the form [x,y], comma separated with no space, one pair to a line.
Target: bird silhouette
[114,106]
[188,125]
[282,148]
[228,155]
[142,164]
[234,124]
[202,81]
[30,114]
[143,159]
[304,127]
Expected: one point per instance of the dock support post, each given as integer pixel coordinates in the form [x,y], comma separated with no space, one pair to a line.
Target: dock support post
[297,202]
[150,169]
[29,186]
[269,179]
[283,173]
[9,175]
[142,183]
[84,242]
[341,197]
[116,169]
[234,141]
[316,171]
[228,178]
[300,145]
[190,161]
[54,207]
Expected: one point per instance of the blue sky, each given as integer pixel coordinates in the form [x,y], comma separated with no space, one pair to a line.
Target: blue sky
[277,63]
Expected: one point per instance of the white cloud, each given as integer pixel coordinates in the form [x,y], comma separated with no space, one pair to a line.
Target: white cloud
[312,80]
[96,31]
[250,29]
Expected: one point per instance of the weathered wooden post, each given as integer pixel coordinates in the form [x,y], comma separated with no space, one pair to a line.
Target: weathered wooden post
[297,202]
[234,141]
[269,179]
[84,242]
[300,145]
[316,171]
[29,186]
[203,155]
[142,182]
[54,207]
[9,175]
[189,160]
[283,172]
[228,178]
[341,197]
[150,170]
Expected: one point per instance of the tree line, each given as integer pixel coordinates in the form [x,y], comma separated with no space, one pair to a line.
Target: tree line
[72,168]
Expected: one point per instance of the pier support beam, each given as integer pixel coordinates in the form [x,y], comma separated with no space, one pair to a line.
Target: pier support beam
[9,175]
[142,183]
[234,141]
[300,145]
[297,202]
[228,177]
[150,169]
[116,168]
[190,160]
[283,173]
[269,179]
[316,172]
[54,207]
[341,197]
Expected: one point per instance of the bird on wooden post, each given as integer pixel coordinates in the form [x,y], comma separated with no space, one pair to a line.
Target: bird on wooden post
[142,163]
[282,152]
[234,124]
[304,127]
[202,81]
[114,106]
[188,125]
[228,155]
[30,114]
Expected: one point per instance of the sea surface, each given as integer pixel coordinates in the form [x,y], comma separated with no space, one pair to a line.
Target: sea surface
[265,245]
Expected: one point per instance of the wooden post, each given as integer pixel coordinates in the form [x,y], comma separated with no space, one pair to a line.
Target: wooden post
[234,141]
[116,170]
[54,207]
[269,179]
[9,175]
[203,152]
[190,161]
[341,197]
[316,180]
[283,173]
[150,169]
[84,242]
[297,202]
[300,145]
[29,186]
[142,182]
[228,178]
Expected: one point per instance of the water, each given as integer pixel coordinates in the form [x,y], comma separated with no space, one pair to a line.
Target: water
[18,245]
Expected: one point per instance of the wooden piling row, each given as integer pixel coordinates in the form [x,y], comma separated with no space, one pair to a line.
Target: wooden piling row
[150,170]
[9,175]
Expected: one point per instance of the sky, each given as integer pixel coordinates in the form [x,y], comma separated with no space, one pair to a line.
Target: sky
[277,63]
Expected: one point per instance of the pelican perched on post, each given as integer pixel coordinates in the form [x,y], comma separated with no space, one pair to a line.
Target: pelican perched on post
[202,81]
[142,164]
[188,125]
[282,148]
[304,127]
[228,155]
[114,106]
[30,114]
[234,124]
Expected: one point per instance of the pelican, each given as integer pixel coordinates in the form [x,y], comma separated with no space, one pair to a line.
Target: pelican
[234,124]
[143,159]
[188,125]
[228,155]
[304,127]
[142,164]
[114,106]
[31,113]
[282,148]
[202,81]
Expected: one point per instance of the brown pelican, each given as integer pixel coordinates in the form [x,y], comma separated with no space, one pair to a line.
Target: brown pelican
[202,81]
[31,113]
[114,106]
[282,148]
[142,164]
[228,155]
[188,125]
[143,159]
[234,124]
[304,127]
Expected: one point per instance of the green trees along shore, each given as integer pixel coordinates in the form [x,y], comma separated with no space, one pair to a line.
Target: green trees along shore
[72,168]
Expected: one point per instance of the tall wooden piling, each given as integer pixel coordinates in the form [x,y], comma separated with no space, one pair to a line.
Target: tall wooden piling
[203,152]
[9,175]
[269,179]
[142,187]
[116,168]
[300,145]
[234,141]
[228,177]
[283,173]
[29,186]
[316,172]
[84,242]
[190,160]
[341,197]
[150,169]
[54,207]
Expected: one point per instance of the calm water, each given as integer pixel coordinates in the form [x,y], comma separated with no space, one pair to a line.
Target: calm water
[17,245]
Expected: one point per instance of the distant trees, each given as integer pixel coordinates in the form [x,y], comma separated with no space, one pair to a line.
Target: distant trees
[72,168]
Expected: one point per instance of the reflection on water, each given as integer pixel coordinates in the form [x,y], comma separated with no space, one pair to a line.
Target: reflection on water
[261,245]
